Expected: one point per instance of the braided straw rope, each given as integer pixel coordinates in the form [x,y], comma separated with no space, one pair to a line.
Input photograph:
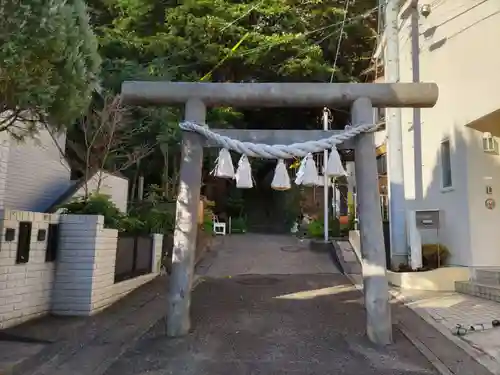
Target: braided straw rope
[277,151]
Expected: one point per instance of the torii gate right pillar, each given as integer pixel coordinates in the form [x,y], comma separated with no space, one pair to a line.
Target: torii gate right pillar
[376,290]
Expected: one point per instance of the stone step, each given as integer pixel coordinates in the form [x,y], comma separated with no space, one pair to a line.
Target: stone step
[489,292]
[487,276]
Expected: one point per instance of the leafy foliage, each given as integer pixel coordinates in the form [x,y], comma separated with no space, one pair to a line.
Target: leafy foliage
[434,255]
[224,41]
[96,204]
[50,64]
[316,228]
[153,215]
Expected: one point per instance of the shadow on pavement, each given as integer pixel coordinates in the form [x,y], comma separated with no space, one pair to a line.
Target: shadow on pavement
[297,324]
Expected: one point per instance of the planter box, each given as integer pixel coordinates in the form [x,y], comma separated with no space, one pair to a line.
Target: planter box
[441,279]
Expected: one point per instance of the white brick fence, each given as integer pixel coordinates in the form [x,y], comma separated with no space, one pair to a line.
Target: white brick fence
[80,281]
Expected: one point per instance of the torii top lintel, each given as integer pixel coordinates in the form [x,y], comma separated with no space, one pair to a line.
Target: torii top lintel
[414,95]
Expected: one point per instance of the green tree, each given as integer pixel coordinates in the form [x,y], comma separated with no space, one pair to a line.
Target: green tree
[283,40]
[50,64]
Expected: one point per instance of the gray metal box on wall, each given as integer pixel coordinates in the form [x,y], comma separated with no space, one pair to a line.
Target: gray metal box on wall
[427,219]
[428,223]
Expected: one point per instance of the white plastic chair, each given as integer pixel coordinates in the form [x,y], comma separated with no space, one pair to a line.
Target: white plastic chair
[219,227]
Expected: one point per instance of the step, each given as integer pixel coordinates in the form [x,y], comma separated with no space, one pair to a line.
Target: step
[487,276]
[475,289]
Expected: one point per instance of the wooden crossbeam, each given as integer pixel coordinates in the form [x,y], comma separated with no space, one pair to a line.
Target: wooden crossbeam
[283,94]
[277,137]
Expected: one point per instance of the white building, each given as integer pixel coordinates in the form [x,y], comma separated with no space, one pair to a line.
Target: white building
[446,166]
[35,176]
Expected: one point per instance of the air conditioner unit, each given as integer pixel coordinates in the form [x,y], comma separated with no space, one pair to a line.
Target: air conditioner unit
[490,144]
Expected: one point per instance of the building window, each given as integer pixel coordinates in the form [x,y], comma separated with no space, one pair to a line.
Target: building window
[445,152]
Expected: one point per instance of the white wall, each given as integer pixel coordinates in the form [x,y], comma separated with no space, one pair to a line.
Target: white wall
[37,174]
[25,289]
[115,187]
[79,282]
[455,51]
[4,163]
[84,282]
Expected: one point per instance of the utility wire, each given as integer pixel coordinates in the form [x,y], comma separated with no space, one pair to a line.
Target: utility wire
[223,29]
[348,21]
[337,53]
[176,54]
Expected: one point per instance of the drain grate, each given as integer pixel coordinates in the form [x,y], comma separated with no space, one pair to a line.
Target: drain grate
[259,281]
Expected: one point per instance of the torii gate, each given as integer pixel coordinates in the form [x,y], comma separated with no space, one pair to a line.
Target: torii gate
[361,97]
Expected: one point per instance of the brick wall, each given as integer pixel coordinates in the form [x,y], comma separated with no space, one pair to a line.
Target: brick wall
[79,242]
[25,289]
[79,282]
[84,281]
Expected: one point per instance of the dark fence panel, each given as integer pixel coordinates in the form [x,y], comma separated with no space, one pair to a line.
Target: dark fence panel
[134,255]
[144,254]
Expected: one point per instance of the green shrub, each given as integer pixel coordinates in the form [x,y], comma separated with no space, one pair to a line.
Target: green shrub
[434,255]
[153,215]
[96,204]
[315,229]
[208,220]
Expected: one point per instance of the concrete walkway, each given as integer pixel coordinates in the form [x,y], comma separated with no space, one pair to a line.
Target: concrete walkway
[446,310]
[82,345]
[256,254]
[428,318]
[263,305]
[268,305]
[297,324]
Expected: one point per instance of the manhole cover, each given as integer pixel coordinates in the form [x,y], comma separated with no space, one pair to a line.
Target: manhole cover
[259,281]
[293,248]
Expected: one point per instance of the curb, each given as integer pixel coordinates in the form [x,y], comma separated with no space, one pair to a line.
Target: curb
[481,357]
[478,356]
[426,352]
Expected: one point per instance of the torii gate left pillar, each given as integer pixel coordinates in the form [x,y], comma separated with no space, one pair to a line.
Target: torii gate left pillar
[362,98]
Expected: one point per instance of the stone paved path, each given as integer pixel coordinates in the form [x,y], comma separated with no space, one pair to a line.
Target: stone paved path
[256,254]
[296,324]
[268,305]
[284,310]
